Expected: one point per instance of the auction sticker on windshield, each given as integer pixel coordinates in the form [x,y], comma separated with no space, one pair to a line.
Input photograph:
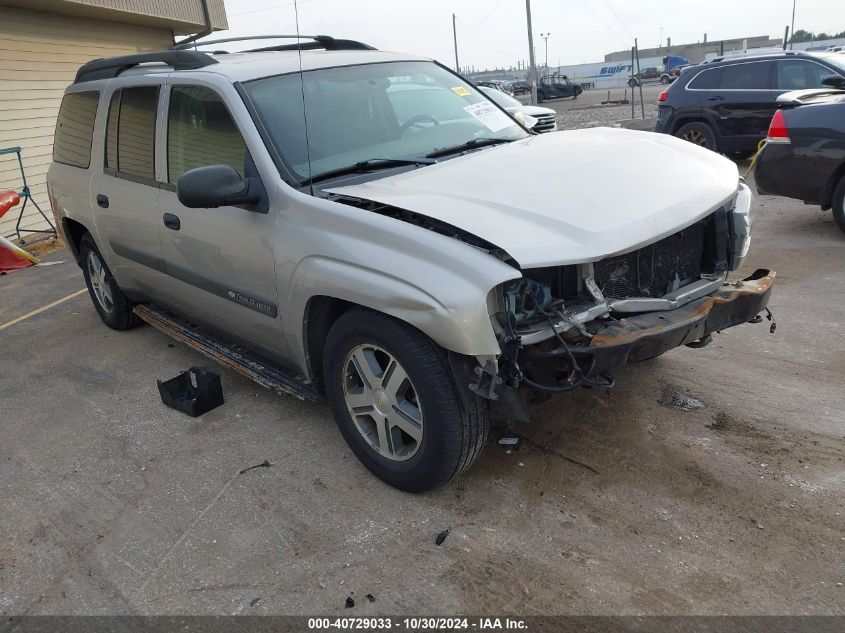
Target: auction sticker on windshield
[461,91]
[489,116]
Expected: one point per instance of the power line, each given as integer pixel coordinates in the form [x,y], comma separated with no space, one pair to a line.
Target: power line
[486,17]
[278,6]
[610,8]
[624,42]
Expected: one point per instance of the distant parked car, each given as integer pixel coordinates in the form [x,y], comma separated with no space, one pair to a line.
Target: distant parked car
[556,87]
[645,75]
[519,87]
[496,85]
[804,155]
[546,117]
[726,105]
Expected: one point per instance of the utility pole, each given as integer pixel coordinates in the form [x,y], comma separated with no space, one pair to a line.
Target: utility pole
[545,37]
[533,67]
[455,37]
[792,43]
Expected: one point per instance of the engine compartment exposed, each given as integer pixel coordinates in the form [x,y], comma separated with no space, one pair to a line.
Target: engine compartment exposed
[562,308]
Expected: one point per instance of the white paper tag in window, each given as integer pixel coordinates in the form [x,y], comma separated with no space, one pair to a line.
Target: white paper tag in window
[489,116]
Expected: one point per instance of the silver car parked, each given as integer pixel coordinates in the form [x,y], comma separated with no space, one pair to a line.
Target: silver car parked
[335,221]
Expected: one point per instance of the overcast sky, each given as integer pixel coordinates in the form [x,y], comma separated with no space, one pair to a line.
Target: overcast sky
[492,33]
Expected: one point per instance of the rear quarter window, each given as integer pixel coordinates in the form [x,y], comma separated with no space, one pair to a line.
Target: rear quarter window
[75,129]
[707,79]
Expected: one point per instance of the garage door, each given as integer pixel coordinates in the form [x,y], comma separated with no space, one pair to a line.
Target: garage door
[39,55]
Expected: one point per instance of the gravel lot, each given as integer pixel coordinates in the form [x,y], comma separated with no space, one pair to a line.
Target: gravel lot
[711,481]
[587,110]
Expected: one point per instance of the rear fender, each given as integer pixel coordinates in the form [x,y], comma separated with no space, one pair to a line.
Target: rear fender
[830,187]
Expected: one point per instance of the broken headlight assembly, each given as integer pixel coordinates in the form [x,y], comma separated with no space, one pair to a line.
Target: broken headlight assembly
[739,227]
[533,308]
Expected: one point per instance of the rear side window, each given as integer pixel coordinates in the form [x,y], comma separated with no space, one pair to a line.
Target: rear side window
[75,129]
[130,131]
[798,74]
[200,131]
[748,76]
[706,80]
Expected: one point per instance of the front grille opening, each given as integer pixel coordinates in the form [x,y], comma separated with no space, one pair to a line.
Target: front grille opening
[658,268]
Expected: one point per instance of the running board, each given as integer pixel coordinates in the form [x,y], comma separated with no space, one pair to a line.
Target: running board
[240,361]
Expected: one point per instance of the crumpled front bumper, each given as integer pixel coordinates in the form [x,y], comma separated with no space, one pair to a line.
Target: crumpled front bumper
[649,334]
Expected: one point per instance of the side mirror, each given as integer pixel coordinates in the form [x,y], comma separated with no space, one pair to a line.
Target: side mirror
[834,81]
[217,186]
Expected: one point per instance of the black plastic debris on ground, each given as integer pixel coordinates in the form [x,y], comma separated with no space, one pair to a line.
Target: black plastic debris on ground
[255,602]
[371,597]
[195,391]
[441,537]
[349,602]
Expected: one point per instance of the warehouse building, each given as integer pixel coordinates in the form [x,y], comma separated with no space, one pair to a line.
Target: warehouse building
[699,51]
[43,43]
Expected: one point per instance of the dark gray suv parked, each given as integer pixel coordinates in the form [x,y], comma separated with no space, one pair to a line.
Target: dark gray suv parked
[726,104]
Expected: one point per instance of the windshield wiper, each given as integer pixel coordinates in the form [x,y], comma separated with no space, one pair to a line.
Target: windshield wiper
[470,144]
[371,164]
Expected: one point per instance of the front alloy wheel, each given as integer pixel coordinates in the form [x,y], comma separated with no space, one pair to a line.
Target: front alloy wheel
[396,401]
[382,402]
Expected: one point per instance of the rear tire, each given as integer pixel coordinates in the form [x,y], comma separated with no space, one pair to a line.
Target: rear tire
[411,428]
[540,97]
[111,304]
[838,205]
[699,134]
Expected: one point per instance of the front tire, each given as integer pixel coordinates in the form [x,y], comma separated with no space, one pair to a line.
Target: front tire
[396,403]
[838,204]
[698,133]
[111,304]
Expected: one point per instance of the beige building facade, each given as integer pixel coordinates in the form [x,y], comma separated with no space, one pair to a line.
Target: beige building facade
[43,43]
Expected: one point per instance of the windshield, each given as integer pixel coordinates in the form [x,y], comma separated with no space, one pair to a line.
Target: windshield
[837,60]
[501,98]
[373,111]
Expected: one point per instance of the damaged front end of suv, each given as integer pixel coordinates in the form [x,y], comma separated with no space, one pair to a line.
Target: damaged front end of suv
[569,326]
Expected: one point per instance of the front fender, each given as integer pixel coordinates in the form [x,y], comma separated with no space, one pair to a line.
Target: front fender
[456,318]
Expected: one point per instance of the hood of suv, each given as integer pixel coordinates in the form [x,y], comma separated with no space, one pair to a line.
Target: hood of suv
[568,197]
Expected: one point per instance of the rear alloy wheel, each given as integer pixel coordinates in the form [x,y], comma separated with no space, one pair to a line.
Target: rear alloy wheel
[839,205]
[396,402]
[111,304]
[699,134]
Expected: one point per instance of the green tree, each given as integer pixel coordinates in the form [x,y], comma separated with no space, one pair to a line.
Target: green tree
[807,36]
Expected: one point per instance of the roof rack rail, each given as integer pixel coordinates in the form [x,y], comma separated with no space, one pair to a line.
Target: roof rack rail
[325,42]
[110,67]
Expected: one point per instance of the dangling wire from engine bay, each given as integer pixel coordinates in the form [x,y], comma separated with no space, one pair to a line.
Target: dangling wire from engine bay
[577,378]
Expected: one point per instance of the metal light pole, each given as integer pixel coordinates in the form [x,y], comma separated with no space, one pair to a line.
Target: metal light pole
[792,30]
[533,67]
[545,37]
[455,37]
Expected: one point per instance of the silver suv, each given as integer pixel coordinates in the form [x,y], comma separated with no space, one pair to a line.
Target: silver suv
[336,221]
